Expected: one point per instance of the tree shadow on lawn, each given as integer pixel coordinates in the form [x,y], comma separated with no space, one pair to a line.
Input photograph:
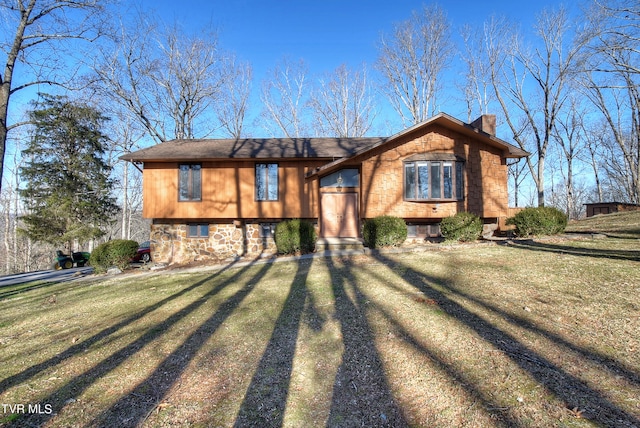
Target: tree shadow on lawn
[265,401]
[497,412]
[573,391]
[530,244]
[133,408]
[361,393]
[80,347]
[616,368]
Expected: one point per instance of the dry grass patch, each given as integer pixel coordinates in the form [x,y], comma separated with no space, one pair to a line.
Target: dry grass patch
[522,334]
[617,225]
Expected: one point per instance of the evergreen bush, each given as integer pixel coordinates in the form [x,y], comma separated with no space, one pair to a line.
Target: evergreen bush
[384,231]
[463,227]
[295,236]
[538,221]
[99,259]
[117,252]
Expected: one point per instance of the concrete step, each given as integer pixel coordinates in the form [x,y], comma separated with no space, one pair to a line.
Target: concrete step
[335,244]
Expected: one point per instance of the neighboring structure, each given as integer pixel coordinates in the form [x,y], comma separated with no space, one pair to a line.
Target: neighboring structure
[609,207]
[223,198]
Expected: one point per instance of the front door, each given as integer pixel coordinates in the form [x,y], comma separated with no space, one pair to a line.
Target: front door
[339,215]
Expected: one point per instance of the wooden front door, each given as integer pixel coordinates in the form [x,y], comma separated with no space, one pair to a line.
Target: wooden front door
[339,215]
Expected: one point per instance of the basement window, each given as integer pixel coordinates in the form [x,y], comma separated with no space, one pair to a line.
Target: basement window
[267,230]
[197,230]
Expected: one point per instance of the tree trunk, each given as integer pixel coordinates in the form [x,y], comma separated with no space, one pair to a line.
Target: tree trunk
[126,231]
[540,179]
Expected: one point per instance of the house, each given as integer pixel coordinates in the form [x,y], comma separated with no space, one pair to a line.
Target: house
[222,198]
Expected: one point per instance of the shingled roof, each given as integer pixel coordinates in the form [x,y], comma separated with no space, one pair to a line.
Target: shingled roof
[258,148]
[337,150]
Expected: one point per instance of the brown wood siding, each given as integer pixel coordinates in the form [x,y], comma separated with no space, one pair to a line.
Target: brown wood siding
[221,183]
[486,193]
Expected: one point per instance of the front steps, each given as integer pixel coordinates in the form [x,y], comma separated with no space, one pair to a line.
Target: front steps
[337,244]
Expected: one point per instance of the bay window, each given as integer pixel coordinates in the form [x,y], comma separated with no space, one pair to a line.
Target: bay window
[427,177]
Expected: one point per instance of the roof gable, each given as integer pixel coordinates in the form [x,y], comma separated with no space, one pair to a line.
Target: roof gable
[442,119]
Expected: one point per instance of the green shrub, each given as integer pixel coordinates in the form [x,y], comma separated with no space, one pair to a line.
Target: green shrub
[538,221]
[117,252]
[463,226]
[384,231]
[295,236]
[99,259]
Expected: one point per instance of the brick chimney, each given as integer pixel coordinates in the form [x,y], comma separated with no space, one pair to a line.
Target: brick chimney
[486,123]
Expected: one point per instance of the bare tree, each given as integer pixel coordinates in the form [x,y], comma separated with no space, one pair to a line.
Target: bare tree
[36,49]
[614,30]
[232,110]
[191,78]
[594,155]
[571,142]
[612,82]
[284,97]
[343,104]
[518,172]
[412,61]
[477,90]
[125,136]
[532,86]
[169,82]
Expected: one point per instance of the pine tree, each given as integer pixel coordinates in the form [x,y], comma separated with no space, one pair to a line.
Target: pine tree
[68,190]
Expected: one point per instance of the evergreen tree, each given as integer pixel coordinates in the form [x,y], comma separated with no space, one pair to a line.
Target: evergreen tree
[68,190]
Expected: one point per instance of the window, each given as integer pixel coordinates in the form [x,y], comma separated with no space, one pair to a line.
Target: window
[423,230]
[433,180]
[267,181]
[267,230]
[197,230]
[190,183]
[344,178]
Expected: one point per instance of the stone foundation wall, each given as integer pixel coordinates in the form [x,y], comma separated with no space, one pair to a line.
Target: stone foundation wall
[170,243]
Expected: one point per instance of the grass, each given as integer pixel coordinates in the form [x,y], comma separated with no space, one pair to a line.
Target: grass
[523,333]
[617,225]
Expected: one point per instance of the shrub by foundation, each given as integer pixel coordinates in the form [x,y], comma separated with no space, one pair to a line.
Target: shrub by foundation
[463,227]
[538,221]
[384,231]
[117,252]
[295,236]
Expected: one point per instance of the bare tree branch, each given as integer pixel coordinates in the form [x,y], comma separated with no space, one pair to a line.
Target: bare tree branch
[412,60]
[40,28]
[343,104]
[284,99]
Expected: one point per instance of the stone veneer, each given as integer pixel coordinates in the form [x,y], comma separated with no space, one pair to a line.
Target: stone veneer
[170,243]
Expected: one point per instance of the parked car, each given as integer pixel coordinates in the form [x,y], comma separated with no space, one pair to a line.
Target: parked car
[144,253]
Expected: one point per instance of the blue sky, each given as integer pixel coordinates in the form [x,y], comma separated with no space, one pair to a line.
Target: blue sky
[325,33]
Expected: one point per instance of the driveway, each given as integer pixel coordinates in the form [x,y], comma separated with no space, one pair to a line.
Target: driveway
[45,275]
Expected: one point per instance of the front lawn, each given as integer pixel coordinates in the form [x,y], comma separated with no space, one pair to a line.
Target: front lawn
[527,333]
